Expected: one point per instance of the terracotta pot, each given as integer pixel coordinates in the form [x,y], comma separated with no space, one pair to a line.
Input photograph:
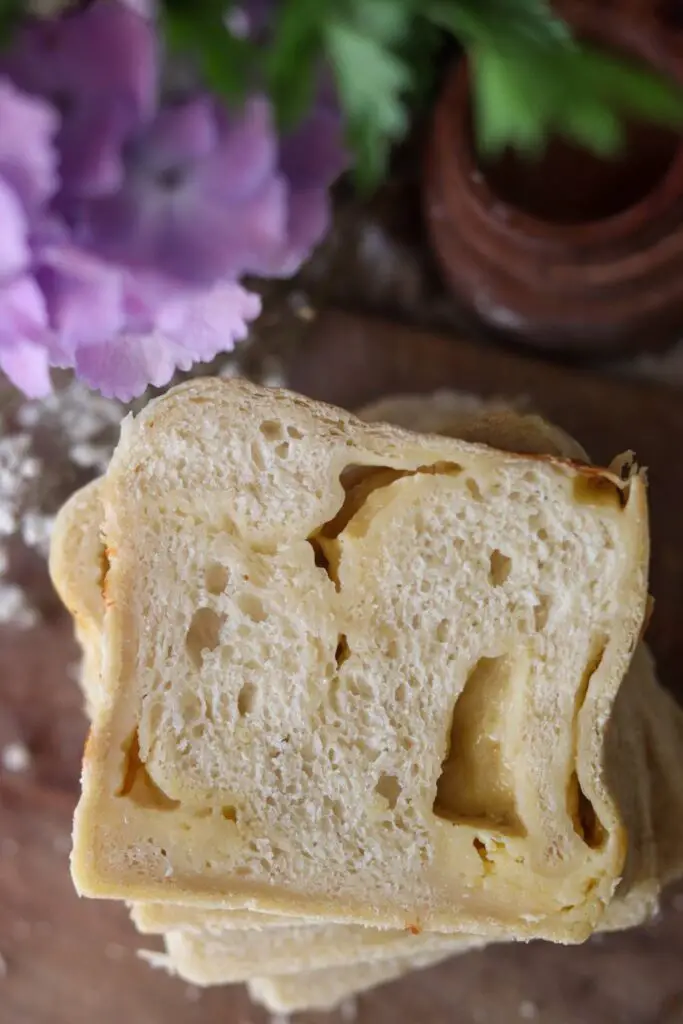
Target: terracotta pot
[570,253]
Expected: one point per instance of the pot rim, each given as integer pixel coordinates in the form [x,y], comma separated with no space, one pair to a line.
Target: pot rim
[509,219]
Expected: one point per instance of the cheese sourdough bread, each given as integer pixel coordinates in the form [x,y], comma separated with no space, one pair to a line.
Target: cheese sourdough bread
[308,622]
[201,956]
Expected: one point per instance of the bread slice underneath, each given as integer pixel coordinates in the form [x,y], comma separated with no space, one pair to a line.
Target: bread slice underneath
[327,989]
[231,956]
[487,574]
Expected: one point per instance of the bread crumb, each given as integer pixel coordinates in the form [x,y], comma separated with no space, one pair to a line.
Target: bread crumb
[36,530]
[3,967]
[15,609]
[91,456]
[301,306]
[158,961]
[16,757]
[528,1010]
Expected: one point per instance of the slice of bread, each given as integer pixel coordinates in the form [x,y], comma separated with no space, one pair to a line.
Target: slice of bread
[77,566]
[229,956]
[462,591]
[159,918]
[327,989]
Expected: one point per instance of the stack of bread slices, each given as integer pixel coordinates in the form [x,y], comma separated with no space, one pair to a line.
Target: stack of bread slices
[364,696]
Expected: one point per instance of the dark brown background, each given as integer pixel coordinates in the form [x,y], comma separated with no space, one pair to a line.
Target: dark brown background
[66,961]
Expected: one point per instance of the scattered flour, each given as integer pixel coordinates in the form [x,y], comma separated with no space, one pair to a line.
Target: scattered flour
[16,757]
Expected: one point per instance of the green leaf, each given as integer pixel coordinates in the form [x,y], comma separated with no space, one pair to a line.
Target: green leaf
[497,22]
[372,82]
[531,79]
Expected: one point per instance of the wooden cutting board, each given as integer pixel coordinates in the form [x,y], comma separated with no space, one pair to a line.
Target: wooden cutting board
[66,961]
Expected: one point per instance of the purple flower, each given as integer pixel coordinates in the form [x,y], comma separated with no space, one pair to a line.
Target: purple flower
[98,65]
[188,331]
[311,158]
[122,331]
[201,199]
[127,227]
[208,194]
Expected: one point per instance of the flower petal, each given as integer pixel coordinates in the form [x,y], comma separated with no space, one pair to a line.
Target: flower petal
[24,337]
[84,301]
[91,146]
[247,153]
[124,366]
[28,159]
[212,322]
[182,134]
[188,330]
[314,154]
[14,249]
[26,365]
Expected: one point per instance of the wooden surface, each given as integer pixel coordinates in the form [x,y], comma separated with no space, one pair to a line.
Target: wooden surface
[66,961]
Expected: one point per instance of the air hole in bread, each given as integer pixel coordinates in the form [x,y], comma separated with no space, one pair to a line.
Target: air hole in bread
[104,566]
[483,855]
[586,822]
[137,784]
[500,568]
[282,450]
[475,785]
[343,651]
[584,818]
[229,813]
[390,789]
[216,578]
[442,631]
[294,433]
[474,488]
[358,483]
[594,488]
[246,699]
[204,634]
[272,430]
[542,612]
[252,606]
